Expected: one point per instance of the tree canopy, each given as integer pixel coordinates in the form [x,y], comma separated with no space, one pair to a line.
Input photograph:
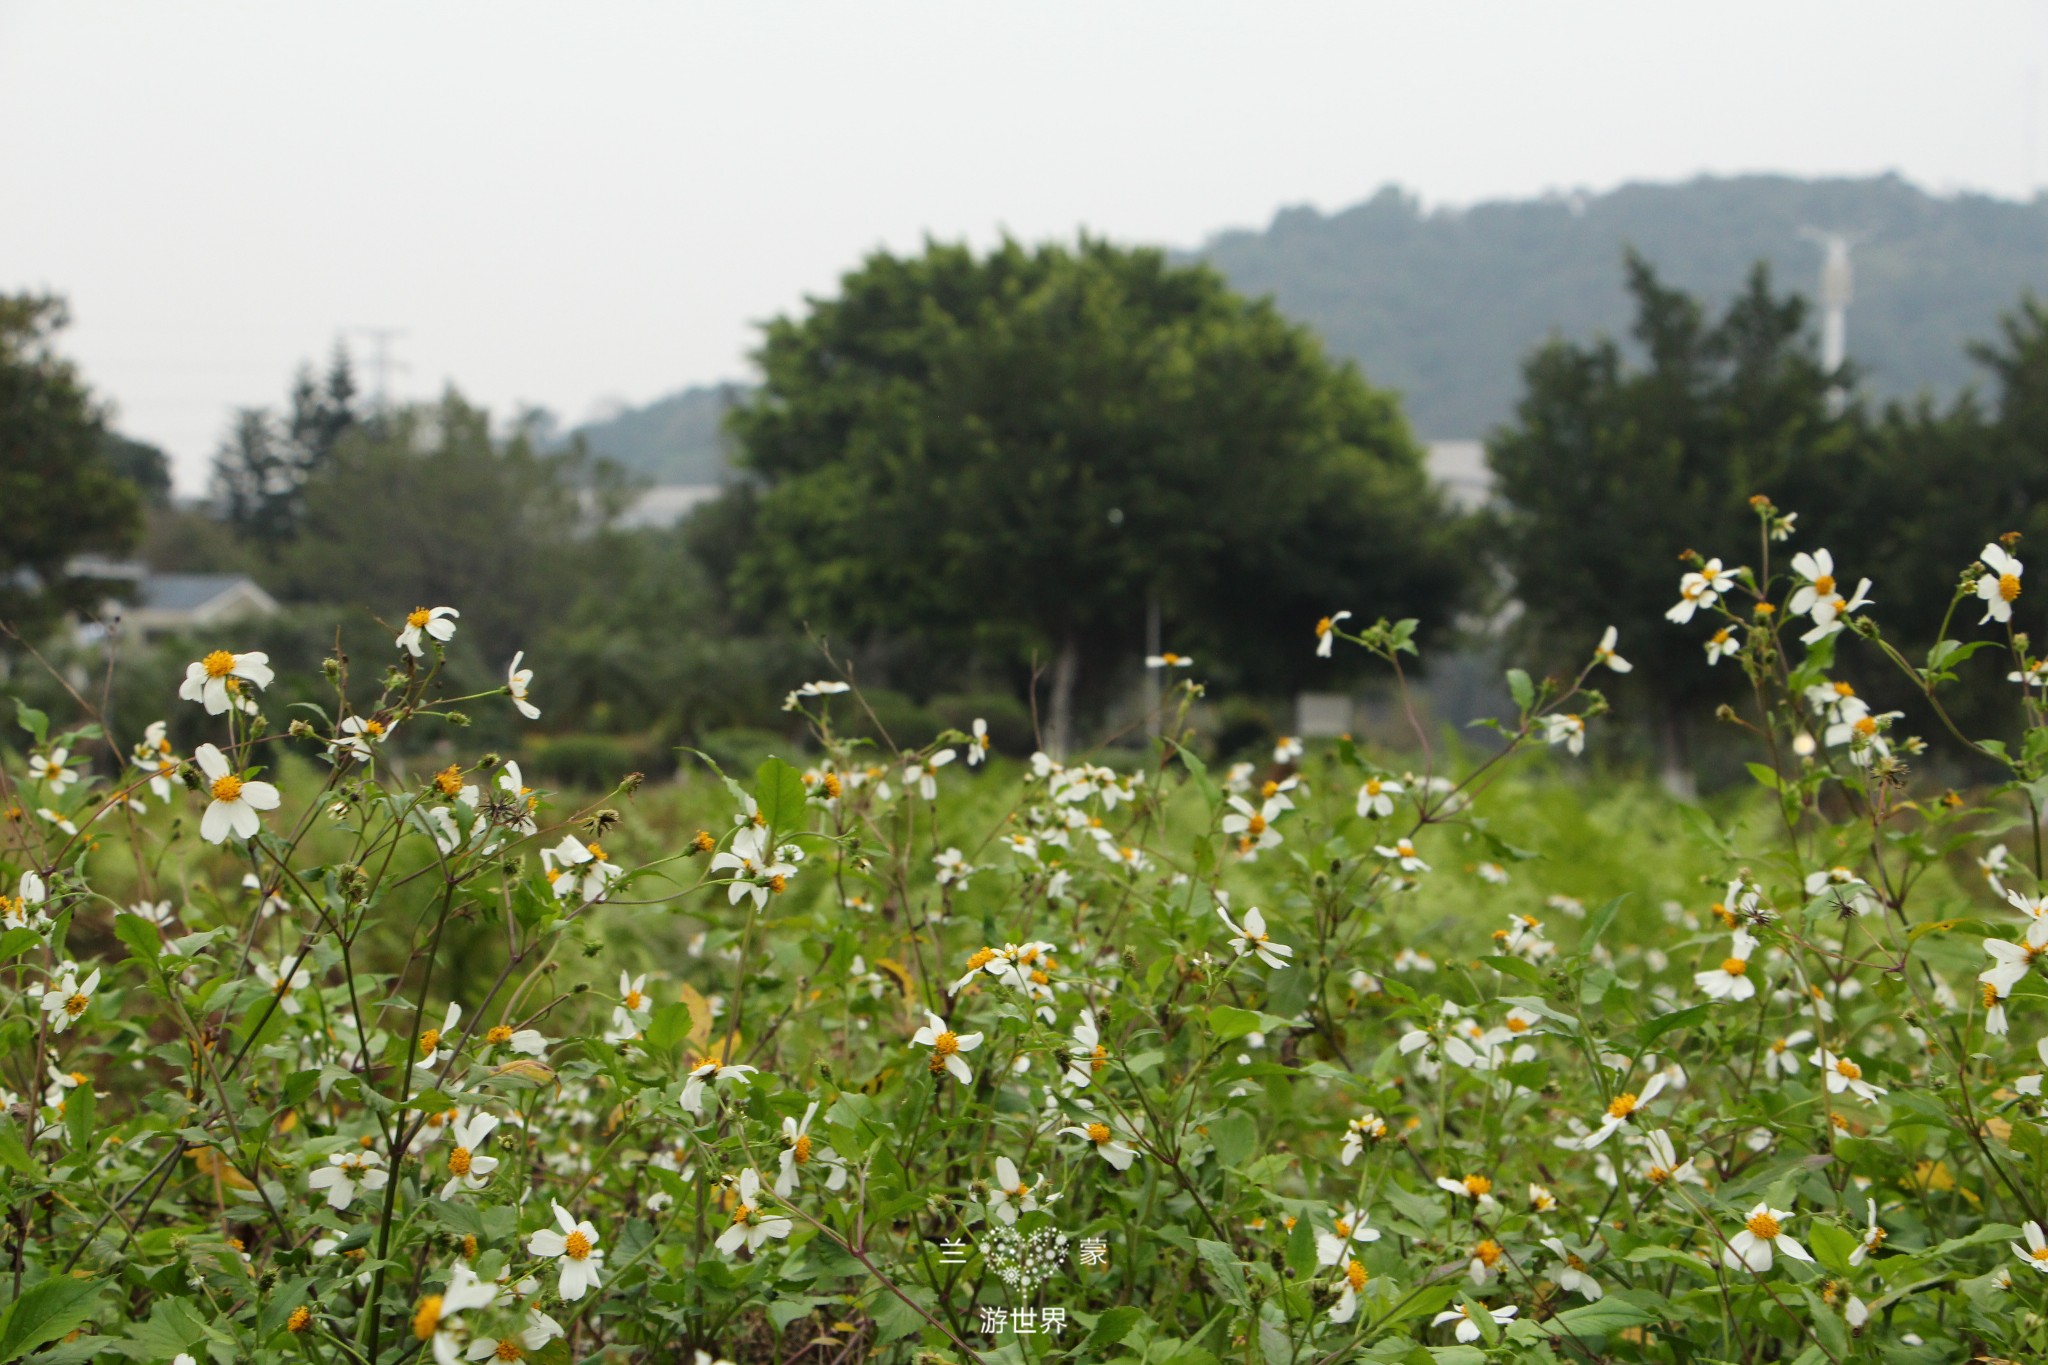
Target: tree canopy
[1008,455]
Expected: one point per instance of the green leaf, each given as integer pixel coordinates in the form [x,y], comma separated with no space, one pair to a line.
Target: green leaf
[1603,919]
[13,1154]
[1667,1023]
[142,938]
[79,1104]
[1227,1269]
[1301,1249]
[1109,1329]
[1228,1022]
[1236,1136]
[1523,691]
[668,1028]
[1766,777]
[32,720]
[45,1312]
[779,793]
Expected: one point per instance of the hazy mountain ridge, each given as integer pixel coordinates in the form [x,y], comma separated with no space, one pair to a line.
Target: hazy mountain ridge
[1443,305]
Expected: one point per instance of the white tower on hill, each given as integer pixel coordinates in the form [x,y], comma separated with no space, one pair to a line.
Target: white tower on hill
[1837,290]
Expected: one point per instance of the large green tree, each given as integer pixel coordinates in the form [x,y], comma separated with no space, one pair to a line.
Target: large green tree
[1009,455]
[61,493]
[1617,463]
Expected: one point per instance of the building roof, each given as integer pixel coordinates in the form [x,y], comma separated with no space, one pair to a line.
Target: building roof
[182,592]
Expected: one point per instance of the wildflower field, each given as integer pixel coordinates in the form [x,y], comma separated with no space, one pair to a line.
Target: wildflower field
[326,1038]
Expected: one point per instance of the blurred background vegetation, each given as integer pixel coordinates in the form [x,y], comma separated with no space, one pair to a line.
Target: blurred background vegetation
[988,483]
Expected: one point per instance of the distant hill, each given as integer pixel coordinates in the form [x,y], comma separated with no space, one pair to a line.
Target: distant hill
[1443,305]
[673,440]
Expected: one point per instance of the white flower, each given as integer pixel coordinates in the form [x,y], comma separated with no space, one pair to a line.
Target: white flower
[1622,1109]
[757,869]
[922,774]
[158,913]
[1326,632]
[540,1329]
[583,871]
[53,768]
[24,909]
[1850,890]
[358,733]
[1012,1194]
[1701,588]
[706,1071]
[467,1168]
[349,1174]
[1358,1133]
[69,999]
[1603,653]
[1168,660]
[1763,1232]
[978,743]
[1872,1239]
[1107,1145]
[1493,874]
[1346,1306]
[1251,937]
[953,868]
[212,680]
[1568,730]
[2000,588]
[235,803]
[1780,1060]
[432,1054]
[1088,1055]
[1403,851]
[801,1150]
[946,1047]
[517,681]
[1843,1074]
[1723,644]
[2031,1085]
[1730,980]
[1661,1165]
[1288,750]
[1477,1188]
[1570,1272]
[750,1227]
[1252,826]
[437,623]
[2035,674]
[1376,797]
[282,987]
[1467,1329]
[1346,1228]
[576,1247]
[824,688]
[2035,1252]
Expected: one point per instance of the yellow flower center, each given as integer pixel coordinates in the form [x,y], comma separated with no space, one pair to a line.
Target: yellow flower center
[458,1161]
[77,1005]
[1487,1252]
[1991,996]
[1343,1227]
[373,728]
[1848,1070]
[508,1349]
[1270,790]
[1517,1025]
[499,1034]
[449,781]
[1624,1104]
[2040,1253]
[946,1044]
[1324,627]
[1657,1175]
[778,883]
[1355,1276]
[427,1318]
[218,664]
[429,1040]
[1825,585]
[1256,825]
[2008,586]
[1762,1226]
[743,1215]
[1866,727]
[1734,966]
[418,617]
[1572,1259]
[1099,1058]
[1478,1186]
[634,1000]
[981,958]
[300,1320]
[227,787]
[597,852]
[832,786]
[1098,1133]
[801,1148]
[576,1246]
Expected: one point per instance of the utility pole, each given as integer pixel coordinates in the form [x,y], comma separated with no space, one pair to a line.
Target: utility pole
[381,363]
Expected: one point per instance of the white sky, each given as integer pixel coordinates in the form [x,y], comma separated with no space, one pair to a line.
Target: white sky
[566,202]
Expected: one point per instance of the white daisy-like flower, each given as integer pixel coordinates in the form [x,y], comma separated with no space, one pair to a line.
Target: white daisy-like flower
[1360,1133]
[540,1329]
[468,1167]
[1566,729]
[2035,1252]
[1252,826]
[824,688]
[1353,1283]
[1781,1058]
[922,774]
[65,1003]
[1660,1165]
[1251,937]
[1376,797]
[1844,1075]
[1762,1236]
[427,623]
[977,743]
[1701,588]
[1477,1188]
[1622,1109]
[575,1247]
[1571,1272]
[1088,1054]
[1288,749]
[953,868]
[1872,1238]
[1348,1228]
[1467,1330]
[2031,1085]
[517,681]
[708,1070]
[2000,588]
[1326,632]
[432,1054]
[1108,1145]
[1012,1194]
[750,1226]
[1168,660]
[1402,851]
[348,1175]
[947,1047]
[357,734]
[283,987]
[53,769]
[1603,653]
[581,871]
[213,680]
[1723,644]
[801,1152]
[1730,980]
[236,801]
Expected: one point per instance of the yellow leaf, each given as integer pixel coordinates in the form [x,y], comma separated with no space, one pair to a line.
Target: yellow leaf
[527,1069]
[211,1163]
[700,1016]
[897,972]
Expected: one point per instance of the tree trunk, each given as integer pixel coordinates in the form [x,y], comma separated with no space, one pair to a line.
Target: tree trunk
[1674,760]
[1066,671]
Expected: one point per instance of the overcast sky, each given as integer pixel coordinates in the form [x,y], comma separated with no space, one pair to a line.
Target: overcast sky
[567,203]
